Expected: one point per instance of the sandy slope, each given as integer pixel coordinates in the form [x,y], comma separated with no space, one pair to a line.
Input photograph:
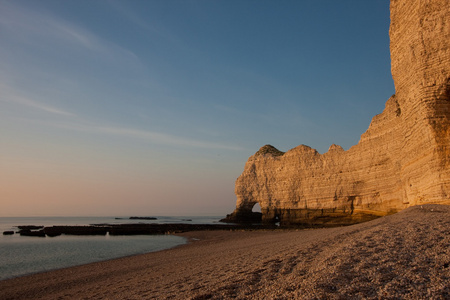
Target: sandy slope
[406,255]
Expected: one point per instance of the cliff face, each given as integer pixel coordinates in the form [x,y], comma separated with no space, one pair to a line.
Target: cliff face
[403,158]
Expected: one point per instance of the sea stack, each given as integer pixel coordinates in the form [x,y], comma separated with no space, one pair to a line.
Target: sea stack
[402,159]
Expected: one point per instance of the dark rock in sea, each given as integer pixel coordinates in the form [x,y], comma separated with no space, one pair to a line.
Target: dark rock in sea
[143,218]
[136,229]
[8,232]
[186,220]
[30,227]
[75,230]
[31,230]
[27,232]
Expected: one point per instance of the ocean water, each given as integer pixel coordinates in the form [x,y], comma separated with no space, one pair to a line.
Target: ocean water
[22,255]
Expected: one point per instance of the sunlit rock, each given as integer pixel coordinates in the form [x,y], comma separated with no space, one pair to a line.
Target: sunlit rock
[402,159]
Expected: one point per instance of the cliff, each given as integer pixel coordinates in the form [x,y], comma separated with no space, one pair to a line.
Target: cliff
[401,160]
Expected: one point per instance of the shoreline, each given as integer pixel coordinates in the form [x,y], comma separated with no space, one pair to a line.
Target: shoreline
[402,255]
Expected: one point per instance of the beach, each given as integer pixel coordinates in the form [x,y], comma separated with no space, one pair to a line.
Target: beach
[405,255]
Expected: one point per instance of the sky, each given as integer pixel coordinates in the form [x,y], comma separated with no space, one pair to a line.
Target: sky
[117,108]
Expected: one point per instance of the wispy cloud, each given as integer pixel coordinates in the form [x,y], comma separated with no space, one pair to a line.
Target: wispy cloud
[8,94]
[26,27]
[149,24]
[163,138]
[47,108]
[154,137]
[77,123]
[41,27]
[123,8]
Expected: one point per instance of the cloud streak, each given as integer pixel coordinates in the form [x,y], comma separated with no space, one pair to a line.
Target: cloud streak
[8,94]
[40,27]
[154,137]
[40,106]
[123,9]
[163,138]
[77,123]
[23,26]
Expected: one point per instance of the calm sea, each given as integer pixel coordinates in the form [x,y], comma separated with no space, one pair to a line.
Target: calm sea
[22,255]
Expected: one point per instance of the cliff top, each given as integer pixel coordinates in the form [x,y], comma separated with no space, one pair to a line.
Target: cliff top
[269,149]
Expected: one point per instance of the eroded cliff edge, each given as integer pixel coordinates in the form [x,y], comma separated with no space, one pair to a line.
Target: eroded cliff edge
[402,159]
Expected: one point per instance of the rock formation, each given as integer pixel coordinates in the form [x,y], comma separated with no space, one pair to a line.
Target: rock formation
[402,159]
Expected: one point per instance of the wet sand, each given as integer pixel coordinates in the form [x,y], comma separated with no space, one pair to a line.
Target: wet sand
[406,255]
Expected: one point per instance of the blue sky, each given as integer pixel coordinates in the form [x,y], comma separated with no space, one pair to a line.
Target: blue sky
[153,107]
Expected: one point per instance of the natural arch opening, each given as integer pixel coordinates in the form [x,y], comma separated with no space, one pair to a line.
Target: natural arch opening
[256,208]
[254,215]
[247,213]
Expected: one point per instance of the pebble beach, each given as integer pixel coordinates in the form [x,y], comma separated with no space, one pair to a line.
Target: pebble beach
[405,255]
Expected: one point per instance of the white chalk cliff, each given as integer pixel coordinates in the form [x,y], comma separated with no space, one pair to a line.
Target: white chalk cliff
[403,159]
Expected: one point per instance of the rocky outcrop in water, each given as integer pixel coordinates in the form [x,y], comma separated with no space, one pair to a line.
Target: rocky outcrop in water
[133,229]
[143,218]
[402,159]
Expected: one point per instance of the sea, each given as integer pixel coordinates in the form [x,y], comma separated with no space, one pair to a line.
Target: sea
[23,255]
